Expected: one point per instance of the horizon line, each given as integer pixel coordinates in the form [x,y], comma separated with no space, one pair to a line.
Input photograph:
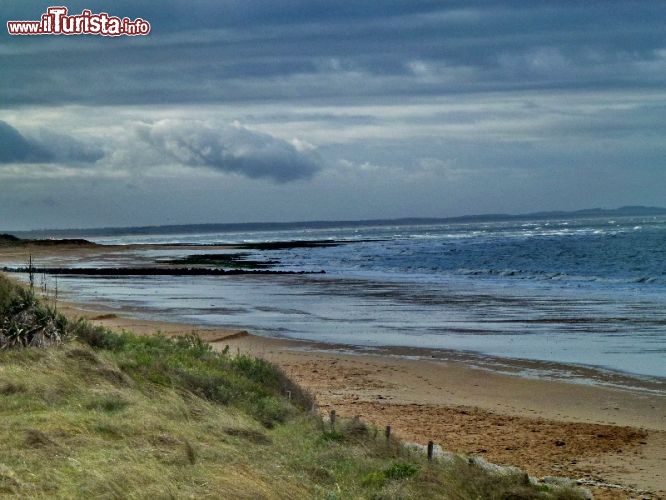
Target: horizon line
[626,210]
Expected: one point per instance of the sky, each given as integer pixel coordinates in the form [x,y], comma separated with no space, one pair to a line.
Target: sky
[291,110]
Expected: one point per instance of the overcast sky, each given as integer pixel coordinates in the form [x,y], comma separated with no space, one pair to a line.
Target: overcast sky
[283,110]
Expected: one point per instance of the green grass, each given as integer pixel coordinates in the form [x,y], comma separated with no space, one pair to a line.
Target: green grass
[115,415]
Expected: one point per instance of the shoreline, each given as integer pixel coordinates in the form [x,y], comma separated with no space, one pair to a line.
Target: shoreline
[517,367]
[129,260]
[463,362]
[531,369]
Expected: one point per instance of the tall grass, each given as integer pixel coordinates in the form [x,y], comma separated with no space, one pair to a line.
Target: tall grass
[25,321]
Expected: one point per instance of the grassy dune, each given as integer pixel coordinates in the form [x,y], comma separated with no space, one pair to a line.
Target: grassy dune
[97,414]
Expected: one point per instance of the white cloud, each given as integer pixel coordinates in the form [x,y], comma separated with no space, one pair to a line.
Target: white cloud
[230,148]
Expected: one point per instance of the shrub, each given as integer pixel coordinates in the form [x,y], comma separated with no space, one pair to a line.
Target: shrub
[24,321]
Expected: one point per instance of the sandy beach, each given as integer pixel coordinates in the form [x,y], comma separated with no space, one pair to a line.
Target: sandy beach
[611,438]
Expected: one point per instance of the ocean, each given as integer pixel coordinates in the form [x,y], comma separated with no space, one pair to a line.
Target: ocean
[579,292]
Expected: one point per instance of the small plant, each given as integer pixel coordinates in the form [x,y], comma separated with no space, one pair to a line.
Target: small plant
[400,470]
[374,479]
[332,436]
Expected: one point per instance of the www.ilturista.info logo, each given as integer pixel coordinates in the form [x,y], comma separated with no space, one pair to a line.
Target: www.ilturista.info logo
[57,22]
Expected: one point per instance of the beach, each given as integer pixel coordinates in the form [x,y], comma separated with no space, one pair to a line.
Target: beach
[614,440]
[605,428]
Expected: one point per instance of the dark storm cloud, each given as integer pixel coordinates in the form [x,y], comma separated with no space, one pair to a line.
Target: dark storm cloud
[232,149]
[44,147]
[14,148]
[212,51]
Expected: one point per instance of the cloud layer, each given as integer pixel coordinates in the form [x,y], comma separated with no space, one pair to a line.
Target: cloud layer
[209,51]
[379,109]
[229,148]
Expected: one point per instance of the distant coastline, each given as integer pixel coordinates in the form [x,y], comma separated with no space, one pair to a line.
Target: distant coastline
[625,211]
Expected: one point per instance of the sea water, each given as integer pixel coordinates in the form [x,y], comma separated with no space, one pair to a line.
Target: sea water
[577,291]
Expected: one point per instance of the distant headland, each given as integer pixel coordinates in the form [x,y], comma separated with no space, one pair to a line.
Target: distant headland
[625,211]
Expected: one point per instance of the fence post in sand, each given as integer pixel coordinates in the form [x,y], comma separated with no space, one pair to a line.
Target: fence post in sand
[387,432]
[431,449]
[332,419]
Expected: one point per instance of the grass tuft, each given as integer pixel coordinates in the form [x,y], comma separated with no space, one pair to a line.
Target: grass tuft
[9,481]
[107,403]
[190,453]
[251,435]
[401,470]
[10,388]
[35,438]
